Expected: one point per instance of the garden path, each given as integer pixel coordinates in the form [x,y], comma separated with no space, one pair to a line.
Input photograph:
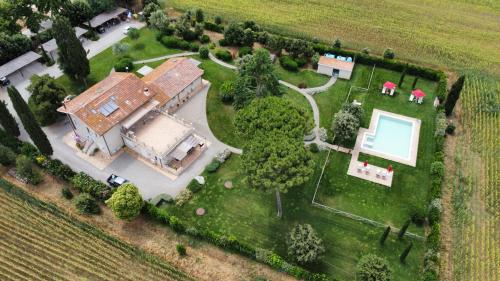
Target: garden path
[185,54]
[221,63]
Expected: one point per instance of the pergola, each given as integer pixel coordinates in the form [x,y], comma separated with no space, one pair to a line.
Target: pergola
[389,88]
[18,63]
[104,17]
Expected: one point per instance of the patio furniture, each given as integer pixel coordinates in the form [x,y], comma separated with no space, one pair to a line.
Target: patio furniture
[378,173]
[360,168]
[384,175]
[367,170]
[412,97]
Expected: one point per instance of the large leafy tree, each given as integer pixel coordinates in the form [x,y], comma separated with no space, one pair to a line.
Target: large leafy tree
[99,6]
[273,161]
[304,245]
[52,6]
[345,127]
[149,9]
[272,114]
[77,12]
[46,97]
[126,202]
[8,19]
[255,73]
[158,20]
[7,120]
[454,95]
[30,124]
[72,57]
[12,46]
[373,268]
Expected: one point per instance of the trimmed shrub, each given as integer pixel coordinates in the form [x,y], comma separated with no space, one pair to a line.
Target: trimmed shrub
[194,186]
[120,49]
[184,45]
[439,156]
[373,268]
[245,51]
[170,42]
[204,39]
[304,245]
[204,52]
[7,156]
[301,61]
[226,92]
[435,211]
[223,42]
[213,167]
[433,239]
[181,250]
[124,65]
[193,47]
[450,129]
[437,169]
[66,193]
[389,54]
[213,27]
[417,215]
[133,33]
[85,183]
[315,60]
[26,171]
[288,63]
[183,197]
[58,169]
[313,147]
[86,204]
[224,55]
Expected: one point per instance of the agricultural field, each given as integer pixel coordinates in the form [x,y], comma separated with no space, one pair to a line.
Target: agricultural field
[40,242]
[475,184]
[459,34]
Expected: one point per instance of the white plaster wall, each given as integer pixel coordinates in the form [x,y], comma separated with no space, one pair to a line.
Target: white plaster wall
[345,74]
[323,69]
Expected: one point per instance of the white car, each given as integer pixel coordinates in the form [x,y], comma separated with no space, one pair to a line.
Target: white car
[126,29]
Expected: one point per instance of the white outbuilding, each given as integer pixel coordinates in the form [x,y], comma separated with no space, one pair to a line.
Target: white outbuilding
[336,66]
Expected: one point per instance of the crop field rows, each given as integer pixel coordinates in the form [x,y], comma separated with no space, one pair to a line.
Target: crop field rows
[477,190]
[37,244]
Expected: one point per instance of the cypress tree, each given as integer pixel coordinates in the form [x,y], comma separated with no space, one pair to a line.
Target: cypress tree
[453,96]
[384,235]
[414,83]
[403,229]
[405,253]
[7,120]
[29,122]
[402,78]
[72,57]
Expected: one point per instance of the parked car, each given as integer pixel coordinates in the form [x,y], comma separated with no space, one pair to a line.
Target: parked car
[116,181]
[100,29]
[4,81]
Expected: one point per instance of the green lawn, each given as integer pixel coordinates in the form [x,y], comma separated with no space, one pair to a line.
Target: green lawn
[307,77]
[250,215]
[145,47]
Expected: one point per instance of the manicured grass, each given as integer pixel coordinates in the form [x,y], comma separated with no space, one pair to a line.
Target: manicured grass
[145,47]
[308,77]
[250,215]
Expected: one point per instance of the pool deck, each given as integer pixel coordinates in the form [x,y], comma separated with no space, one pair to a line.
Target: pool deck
[370,172]
[412,159]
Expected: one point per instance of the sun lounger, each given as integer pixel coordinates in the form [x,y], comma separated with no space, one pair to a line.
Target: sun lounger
[360,168]
[384,175]
[367,170]
[378,173]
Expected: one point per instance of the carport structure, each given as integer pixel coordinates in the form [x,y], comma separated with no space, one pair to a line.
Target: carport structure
[18,64]
[104,17]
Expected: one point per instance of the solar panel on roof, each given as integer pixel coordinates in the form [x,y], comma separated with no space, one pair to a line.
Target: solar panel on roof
[108,108]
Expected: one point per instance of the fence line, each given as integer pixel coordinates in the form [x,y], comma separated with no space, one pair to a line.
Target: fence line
[353,216]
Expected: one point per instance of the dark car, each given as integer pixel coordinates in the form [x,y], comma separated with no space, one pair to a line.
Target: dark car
[116,181]
[100,29]
[4,81]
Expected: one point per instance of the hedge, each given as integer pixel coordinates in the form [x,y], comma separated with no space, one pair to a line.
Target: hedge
[288,63]
[85,183]
[224,55]
[213,27]
[177,43]
[231,243]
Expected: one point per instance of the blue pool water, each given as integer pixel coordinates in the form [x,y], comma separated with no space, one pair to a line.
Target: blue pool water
[392,136]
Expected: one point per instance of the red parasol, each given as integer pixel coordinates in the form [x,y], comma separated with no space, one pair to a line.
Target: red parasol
[365,163]
[389,169]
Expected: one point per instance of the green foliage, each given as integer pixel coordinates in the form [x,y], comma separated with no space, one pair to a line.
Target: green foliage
[120,49]
[183,197]
[402,77]
[226,91]
[133,33]
[337,43]
[313,147]
[437,169]
[25,170]
[199,15]
[124,65]
[7,156]
[403,229]
[72,57]
[126,203]
[288,63]
[7,121]
[373,268]
[414,84]
[304,245]
[218,20]
[345,127]
[245,51]
[99,6]
[158,20]
[149,9]
[87,184]
[204,39]
[454,95]
[315,60]
[66,193]
[272,115]
[12,46]
[204,52]
[29,122]
[213,27]
[224,55]
[233,35]
[181,250]
[213,167]
[435,210]
[389,54]
[417,215]
[434,238]
[56,168]
[77,11]
[440,125]
[356,110]
[405,253]
[276,161]
[46,96]
[450,128]
[194,186]
[85,204]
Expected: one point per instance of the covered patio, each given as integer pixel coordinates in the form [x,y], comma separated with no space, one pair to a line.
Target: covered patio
[17,64]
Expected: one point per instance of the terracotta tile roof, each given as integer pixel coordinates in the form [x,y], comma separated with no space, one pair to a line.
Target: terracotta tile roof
[171,77]
[123,89]
[336,64]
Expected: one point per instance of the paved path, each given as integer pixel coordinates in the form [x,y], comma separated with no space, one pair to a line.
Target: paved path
[185,54]
[222,63]
[320,89]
